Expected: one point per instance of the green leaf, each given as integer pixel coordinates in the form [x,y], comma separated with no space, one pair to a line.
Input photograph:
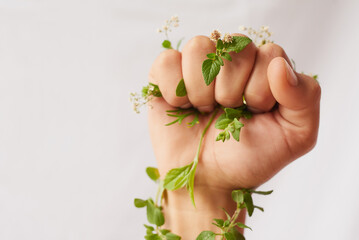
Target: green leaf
[218,222]
[179,44]
[190,183]
[238,196]
[156,91]
[261,192]
[249,203]
[235,234]
[210,70]
[164,231]
[259,208]
[211,56]
[172,236]
[153,237]
[219,60]
[153,173]
[139,203]
[226,55]
[206,235]
[227,214]
[154,214]
[177,178]
[233,113]
[181,89]
[242,225]
[149,227]
[238,44]
[222,124]
[219,44]
[166,44]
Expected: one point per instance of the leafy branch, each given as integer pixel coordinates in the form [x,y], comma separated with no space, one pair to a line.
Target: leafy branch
[229,227]
[184,176]
[212,65]
[154,211]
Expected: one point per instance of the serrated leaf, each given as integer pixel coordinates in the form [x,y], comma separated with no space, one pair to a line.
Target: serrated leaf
[153,173]
[210,70]
[226,55]
[154,214]
[177,178]
[238,196]
[167,44]
[139,203]
[172,236]
[238,44]
[156,90]
[181,89]
[249,203]
[242,225]
[206,235]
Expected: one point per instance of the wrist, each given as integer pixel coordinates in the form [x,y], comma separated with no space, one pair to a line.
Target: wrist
[188,221]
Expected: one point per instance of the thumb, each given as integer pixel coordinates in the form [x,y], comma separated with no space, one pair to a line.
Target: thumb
[298,96]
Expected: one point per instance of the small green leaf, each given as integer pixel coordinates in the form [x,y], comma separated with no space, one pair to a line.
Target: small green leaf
[238,44]
[249,203]
[153,237]
[227,214]
[210,70]
[177,178]
[219,60]
[164,231]
[181,89]
[235,234]
[153,173]
[218,222]
[261,192]
[179,44]
[211,56]
[156,91]
[166,44]
[233,113]
[219,44]
[229,236]
[190,183]
[238,196]
[226,55]
[206,235]
[242,225]
[139,203]
[222,124]
[259,208]
[172,236]
[149,227]
[154,214]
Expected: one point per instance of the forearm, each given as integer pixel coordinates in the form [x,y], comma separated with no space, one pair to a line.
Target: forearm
[188,221]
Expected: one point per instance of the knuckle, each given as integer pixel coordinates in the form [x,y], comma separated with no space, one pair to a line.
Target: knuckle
[198,42]
[228,101]
[271,50]
[264,102]
[168,57]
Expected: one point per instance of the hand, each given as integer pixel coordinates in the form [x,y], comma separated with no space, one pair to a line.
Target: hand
[283,128]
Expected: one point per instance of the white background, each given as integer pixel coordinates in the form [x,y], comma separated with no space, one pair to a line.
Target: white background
[73,153]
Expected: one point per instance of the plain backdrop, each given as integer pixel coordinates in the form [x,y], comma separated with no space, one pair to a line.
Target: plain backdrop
[73,153]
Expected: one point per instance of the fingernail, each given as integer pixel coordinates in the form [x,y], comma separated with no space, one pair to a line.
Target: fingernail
[208,108]
[187,105]
[291,77]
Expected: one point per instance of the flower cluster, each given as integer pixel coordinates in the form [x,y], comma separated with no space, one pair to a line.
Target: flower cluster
[148,92]
[172,22]
[216,35]
[259,37]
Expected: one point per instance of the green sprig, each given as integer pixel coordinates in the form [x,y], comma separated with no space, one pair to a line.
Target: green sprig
[212,65]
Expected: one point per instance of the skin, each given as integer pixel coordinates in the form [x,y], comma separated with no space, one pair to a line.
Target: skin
[283,128]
